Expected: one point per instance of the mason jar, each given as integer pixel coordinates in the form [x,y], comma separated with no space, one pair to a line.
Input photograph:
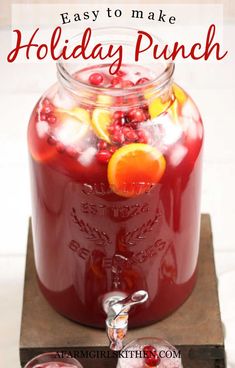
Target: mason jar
[115,163]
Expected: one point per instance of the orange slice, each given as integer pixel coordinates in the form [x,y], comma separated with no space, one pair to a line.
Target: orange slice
[134,168]
[101,119]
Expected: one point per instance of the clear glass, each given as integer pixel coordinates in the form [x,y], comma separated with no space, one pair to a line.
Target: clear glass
[116,179]
[149,352]
[52,360]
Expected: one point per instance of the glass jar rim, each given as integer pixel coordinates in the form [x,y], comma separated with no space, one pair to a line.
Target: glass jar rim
[51,355]
[156,84]
[152,339]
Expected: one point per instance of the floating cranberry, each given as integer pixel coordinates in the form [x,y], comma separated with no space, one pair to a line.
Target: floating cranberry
[119,122]
[152,358]
[131,136]
[46,109]
[72,152]
[119,100]
[116,126]
[136,115]
[133,100]
[51,140]
[142,137]
[43,117]
[118,115]
[47,106]
[46,102]
[103,155]
[121,73]
[111,129]
[51,119]
[60,148]
[147,115]
[126,129]
[142,81]
[112,149]
[127,84]
[116,82]
[96,79]
[132,125]
[145,107]
[118,137]
[102,145]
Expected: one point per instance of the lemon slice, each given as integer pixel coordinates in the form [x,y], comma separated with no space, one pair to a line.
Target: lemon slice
[180,95]
[156,107]
[75,124]
[101,119]
[105,100]
[80,114]
[135,168]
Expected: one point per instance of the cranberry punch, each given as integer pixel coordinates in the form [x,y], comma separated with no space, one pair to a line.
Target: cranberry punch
[116,175]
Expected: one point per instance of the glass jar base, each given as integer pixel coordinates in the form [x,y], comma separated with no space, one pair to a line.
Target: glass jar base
[143,315]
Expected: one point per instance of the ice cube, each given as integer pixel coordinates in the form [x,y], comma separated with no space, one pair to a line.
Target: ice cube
[42,128]
[172,132]
[133,362]
[169,358]
[177,155]
[192,130]
[87,156]
[170,363]
[63,100]
[71,131]
[189,110]
[164,130]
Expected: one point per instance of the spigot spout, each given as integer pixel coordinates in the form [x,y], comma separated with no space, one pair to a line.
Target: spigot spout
[117,309]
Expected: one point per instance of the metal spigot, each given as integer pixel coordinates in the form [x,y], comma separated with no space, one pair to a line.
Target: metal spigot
[117,307]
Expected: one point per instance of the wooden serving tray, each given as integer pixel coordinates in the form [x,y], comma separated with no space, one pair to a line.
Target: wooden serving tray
[195,328]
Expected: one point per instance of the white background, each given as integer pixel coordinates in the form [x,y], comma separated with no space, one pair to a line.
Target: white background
[213,89]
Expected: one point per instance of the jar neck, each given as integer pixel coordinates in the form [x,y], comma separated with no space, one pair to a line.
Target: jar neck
[159,86]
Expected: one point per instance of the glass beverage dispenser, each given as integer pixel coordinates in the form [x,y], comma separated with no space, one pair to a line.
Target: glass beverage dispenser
[116,165]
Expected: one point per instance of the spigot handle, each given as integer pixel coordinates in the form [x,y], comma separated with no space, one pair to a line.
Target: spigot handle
[138,297]
[117,308]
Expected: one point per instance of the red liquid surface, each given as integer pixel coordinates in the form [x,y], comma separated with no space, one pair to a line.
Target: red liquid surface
[90,241]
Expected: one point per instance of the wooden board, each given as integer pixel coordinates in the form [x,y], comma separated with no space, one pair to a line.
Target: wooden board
[195,328]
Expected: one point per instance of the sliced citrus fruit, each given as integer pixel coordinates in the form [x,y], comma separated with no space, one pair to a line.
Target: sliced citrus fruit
[157,106]
[175,110]
[80,114]
[180,95]
[101,119]
[134,168]
[105,100]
